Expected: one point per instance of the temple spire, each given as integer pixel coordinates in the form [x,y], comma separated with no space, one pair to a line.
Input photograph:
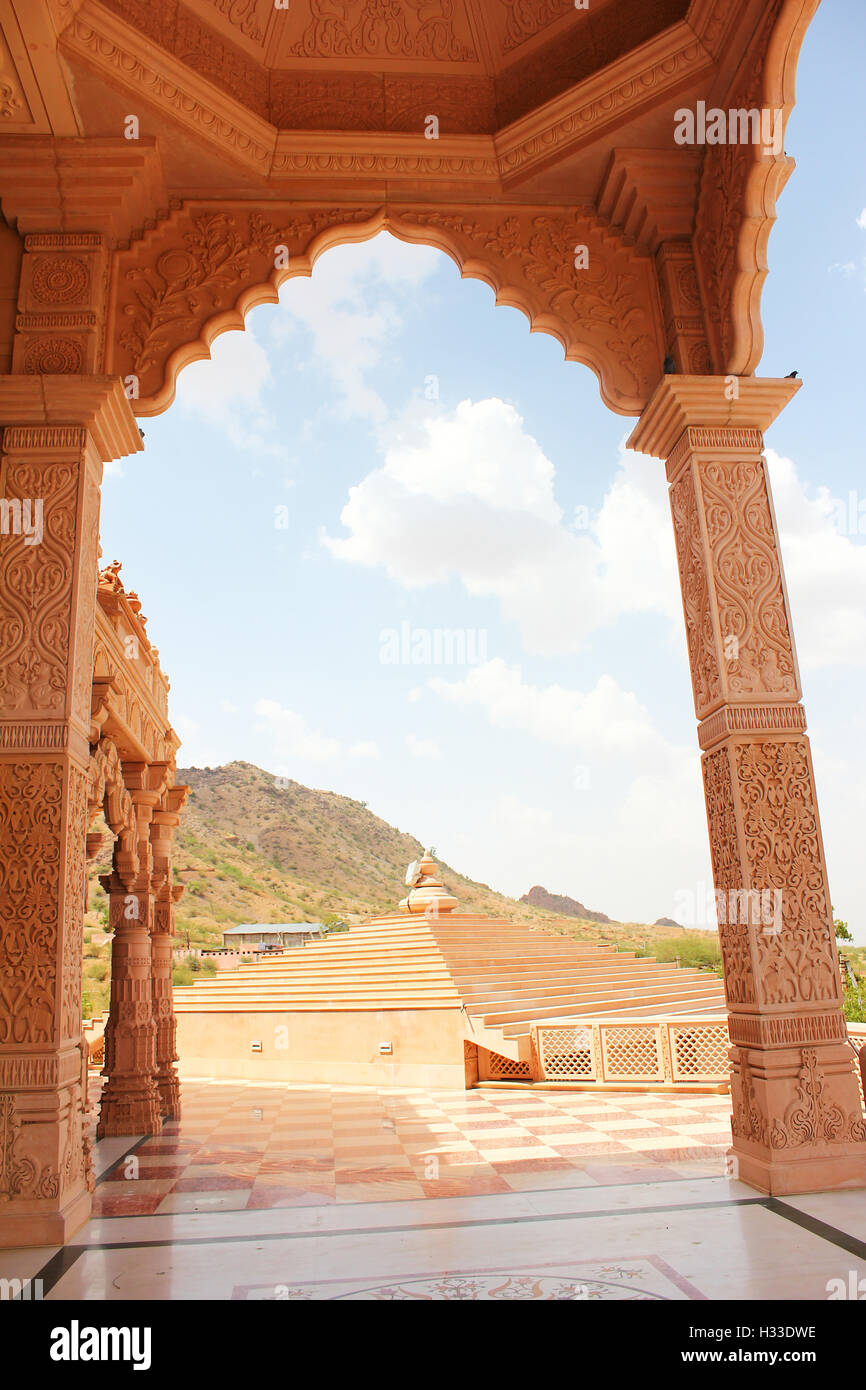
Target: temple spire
[427,892]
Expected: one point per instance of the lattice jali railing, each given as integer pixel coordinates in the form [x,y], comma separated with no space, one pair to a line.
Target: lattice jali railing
[633,1053]
[699,1052]
[642,1051]
[492,1066]
[857,1034]
[565,1054]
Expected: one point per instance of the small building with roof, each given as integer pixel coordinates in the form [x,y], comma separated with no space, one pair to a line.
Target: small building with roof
[259,936]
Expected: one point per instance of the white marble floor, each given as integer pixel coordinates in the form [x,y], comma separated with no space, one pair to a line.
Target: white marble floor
[208,1213]
[706,1238]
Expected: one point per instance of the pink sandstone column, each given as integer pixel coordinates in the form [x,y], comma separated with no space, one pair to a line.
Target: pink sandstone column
[166,894]
[56,433]
[130,1100]
[797,1119]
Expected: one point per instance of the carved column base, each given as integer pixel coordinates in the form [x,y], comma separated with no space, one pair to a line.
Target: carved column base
[167,1083]
[28,1223]
[129,1106]
[168,1087]
[797,1121]
[46,1178]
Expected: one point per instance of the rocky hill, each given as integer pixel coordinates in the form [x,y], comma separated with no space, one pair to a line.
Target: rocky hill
[254,848]
[561,906]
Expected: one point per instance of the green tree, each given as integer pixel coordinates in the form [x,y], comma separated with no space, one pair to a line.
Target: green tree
[842,932]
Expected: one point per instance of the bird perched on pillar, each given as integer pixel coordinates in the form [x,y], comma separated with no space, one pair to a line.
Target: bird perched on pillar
[670,366]
[790,375]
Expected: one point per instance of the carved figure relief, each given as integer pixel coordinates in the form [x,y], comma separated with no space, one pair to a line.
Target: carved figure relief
[383,29]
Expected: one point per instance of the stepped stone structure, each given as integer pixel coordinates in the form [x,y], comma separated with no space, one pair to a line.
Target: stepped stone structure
[165,167]
[433,985]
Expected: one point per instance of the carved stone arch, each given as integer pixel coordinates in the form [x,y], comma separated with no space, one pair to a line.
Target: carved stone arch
[202,268]
[102,665]
[740,185]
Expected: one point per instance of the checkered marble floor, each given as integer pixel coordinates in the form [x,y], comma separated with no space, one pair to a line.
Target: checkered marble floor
[246,1146]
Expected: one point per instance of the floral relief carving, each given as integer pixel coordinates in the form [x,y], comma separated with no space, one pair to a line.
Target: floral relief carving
[21,1175]
[36,581]
[214,257]
[9,100]
[77,821]
[85,616]
[723,206]
[382,28]
[327,100]
[243,14]
[227,66]
[602,312]
[728,874]
[783,851]
[31,804]
[526,18]
[812,1117]
[200,263]
[747,579]
[77,1165]
[691,560]
[464,105]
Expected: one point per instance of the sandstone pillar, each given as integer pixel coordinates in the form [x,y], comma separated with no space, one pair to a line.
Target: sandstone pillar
[797,1119]
[166,894]
[130,1100]
[56,433]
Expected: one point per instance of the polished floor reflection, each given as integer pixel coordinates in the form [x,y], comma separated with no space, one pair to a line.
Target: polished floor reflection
[315,1192]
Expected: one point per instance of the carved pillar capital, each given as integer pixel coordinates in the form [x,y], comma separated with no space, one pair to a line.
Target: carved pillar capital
[46,412]
[797,1121]
[710,404]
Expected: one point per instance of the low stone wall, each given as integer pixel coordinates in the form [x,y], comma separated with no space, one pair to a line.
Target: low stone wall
[328,1047]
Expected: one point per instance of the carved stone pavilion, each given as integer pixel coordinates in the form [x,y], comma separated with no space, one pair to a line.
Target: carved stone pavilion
[165,165]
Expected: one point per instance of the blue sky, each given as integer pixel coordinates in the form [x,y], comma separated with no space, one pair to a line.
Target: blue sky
[385,447]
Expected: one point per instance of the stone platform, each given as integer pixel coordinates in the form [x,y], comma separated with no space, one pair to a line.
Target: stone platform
[433,986]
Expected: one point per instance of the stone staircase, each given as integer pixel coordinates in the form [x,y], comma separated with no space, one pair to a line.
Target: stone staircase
[503,978]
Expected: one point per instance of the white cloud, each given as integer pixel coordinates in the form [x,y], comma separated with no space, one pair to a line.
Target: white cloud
[825,568]
[292,738]
[227,392]
[364,749]
[861,220]
[423,747]
[228,708]
[112,468]
[470,493]
[607,720]
[184,726]
[351,306]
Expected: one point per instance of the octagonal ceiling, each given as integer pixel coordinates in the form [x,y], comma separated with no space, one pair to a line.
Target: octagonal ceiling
[385,64]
